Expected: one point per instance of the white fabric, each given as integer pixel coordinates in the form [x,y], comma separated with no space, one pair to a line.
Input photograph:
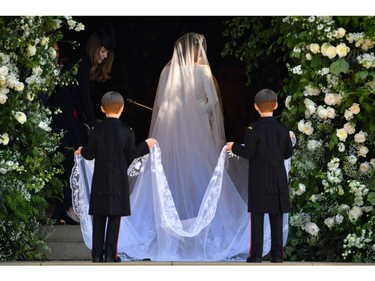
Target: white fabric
[188,200]
[155,231]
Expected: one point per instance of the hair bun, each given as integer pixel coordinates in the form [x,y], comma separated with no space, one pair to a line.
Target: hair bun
[107,37]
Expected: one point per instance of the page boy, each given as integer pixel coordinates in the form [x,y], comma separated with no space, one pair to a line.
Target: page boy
[267,144]
[112,145]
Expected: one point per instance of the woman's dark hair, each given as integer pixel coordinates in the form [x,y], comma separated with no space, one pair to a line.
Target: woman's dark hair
[104,37]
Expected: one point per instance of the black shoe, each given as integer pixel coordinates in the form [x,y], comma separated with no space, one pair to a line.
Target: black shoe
[97,259]
[253,260]
[277,260]
[116,259]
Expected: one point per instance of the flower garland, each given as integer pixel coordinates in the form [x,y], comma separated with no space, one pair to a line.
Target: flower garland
[29,162]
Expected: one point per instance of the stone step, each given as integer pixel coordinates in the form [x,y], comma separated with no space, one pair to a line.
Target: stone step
[65,243]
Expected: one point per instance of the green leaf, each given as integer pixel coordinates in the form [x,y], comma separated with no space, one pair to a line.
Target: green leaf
[371,198]
[339,66]
[360,75]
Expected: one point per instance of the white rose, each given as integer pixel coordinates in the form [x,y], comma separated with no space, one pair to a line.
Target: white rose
[79,27]
[4,91]
[52,52]
[364,168]
[310,107]
[30,80]
[301,125]
[12,80]
[342,50]
[341,32]
[3,98]
[37,71]
[362,151]
[44,41]
[19,86]
[339,219]
[352,159]
[308,129]
[355,109]
[323,49]
[348,114]
[4,139]
[341,134]
[308,56]
[360,137]
[367,44]
[322,112]
[341,147]
[31,50]
[331,52]
[372,162]
[355,213]
[314,48]
[4,71]
[330,222]
[20,117]
[330,99]
[57,23]
[3,80]
[349,128]
[312,228]
[71,24]
[301,189]
[331,112]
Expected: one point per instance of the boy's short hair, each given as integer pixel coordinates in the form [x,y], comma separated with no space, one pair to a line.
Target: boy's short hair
[266,100]
[112,102]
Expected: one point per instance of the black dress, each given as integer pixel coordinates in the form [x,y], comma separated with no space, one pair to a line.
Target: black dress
[76,119]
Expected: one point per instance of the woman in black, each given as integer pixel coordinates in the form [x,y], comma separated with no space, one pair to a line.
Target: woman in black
[75,102]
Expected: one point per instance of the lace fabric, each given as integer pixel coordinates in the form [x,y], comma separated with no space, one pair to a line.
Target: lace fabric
[155,231]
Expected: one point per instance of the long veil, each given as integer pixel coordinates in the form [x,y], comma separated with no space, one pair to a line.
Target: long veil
[188,198]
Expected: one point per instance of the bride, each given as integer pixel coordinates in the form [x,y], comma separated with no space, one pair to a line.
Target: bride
[188,198]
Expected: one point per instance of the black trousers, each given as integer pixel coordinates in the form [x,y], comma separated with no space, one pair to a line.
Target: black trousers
[256,234]
[104,239]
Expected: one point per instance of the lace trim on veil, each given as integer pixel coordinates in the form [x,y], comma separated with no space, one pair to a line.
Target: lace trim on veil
[170,218]
[80,183]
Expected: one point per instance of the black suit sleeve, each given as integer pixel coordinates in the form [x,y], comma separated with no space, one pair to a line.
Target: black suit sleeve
[89,152]
[132,151]
[84,87]
[248,150]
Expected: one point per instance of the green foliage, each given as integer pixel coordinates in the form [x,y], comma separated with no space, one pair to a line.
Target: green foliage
[249,39]
[329,104]
[29,163]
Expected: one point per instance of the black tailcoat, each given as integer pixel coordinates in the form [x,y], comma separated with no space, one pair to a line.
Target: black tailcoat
[266,144]
[112,145]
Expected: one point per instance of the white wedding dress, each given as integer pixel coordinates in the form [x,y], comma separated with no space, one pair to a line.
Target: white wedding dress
[188,198]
